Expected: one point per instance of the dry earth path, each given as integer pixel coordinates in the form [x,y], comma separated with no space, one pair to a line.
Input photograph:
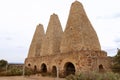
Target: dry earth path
[28,78]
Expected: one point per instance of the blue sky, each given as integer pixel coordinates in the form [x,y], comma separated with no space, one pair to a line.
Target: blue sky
[19,18]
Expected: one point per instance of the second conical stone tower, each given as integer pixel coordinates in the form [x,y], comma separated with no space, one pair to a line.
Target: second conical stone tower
[51,43]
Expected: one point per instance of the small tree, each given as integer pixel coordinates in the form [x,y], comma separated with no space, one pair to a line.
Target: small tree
[116,62]
[3,63]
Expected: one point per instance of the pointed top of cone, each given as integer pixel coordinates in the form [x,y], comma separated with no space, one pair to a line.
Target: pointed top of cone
[39,25]
[76,2]
[54,25]
[54,14]
[39,32]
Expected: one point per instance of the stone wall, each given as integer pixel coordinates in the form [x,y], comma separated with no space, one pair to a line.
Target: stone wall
[83,61]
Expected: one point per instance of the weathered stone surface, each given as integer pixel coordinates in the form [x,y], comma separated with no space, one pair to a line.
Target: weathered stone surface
[35,47]
[83,61]
[79,33]
[51,43]
[75,50]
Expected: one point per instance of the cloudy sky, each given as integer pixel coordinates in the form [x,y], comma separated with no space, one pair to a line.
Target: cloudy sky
[18,20]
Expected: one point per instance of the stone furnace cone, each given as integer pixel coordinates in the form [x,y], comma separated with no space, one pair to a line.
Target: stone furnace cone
[51,44]
[35,47]
[79,33]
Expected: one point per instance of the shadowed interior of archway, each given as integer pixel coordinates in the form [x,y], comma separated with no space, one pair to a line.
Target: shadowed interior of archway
[35,68]
[43,68]
[69,69]
[101,68]
[54,71]
[29,64]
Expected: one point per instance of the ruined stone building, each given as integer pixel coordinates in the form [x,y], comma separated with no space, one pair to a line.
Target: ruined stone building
[73,51]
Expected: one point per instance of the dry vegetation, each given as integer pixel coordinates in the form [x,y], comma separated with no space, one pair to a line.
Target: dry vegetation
[95,76]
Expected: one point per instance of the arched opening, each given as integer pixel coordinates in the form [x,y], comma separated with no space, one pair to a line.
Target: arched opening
[29,64]
[35,68]
[101,69]
[54,71]
[69,69]
[43,68]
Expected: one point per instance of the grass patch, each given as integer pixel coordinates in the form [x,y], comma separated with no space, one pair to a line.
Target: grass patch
[94,76]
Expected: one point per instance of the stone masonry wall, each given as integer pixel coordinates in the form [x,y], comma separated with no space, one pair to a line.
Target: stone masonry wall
[83,61]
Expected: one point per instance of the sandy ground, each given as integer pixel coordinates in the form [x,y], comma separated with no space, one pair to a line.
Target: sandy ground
[29,78]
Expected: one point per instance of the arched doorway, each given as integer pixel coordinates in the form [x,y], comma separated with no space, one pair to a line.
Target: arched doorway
[35,69]
[101,69]
[54,71]
[29,65]
[69,69]
[43,68]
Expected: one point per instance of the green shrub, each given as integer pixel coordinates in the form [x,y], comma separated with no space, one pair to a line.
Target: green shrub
[94,76]
[28,72]
[11,72]
[14,72]
[116,63]
[71,77]
[3,63]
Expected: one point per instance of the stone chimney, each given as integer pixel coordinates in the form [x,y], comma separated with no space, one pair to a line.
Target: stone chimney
[51,44]
[79,33]
[35,47]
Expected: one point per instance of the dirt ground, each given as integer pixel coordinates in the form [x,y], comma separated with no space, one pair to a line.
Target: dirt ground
[29,78]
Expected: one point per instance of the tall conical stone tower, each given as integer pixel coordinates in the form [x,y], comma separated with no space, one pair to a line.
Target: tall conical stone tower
[51,44]
[35,47]
[79,33]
